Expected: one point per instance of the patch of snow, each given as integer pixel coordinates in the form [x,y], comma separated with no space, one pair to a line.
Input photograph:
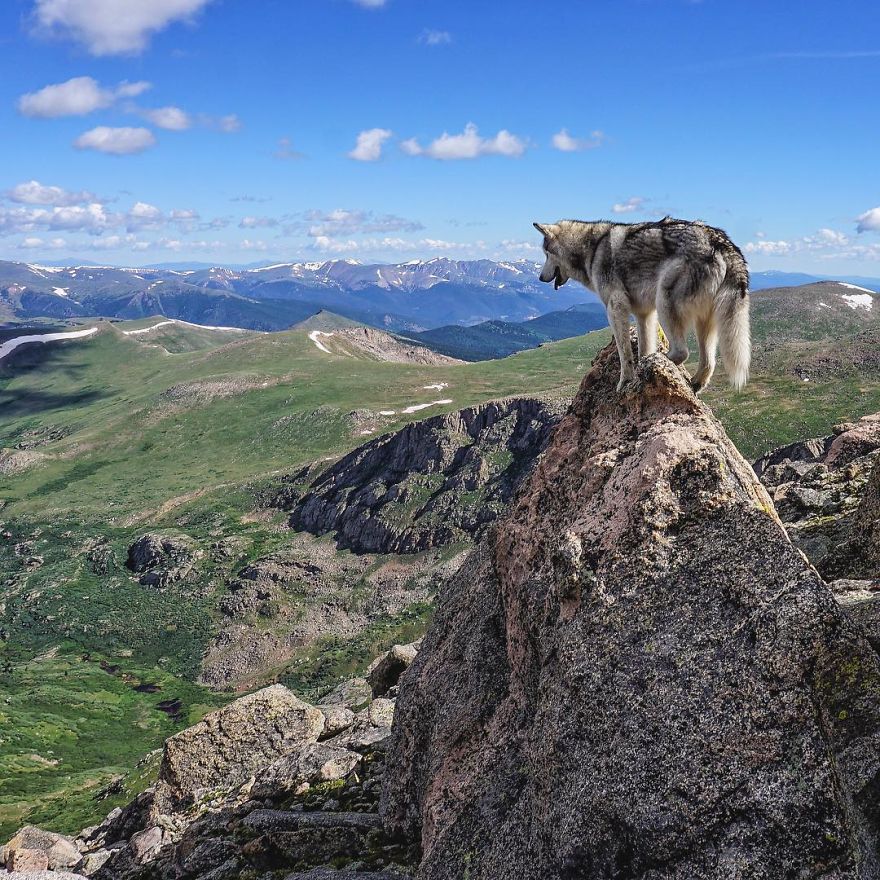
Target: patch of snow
[187,324]
[439,386]
[416,407]
[387,412]
[53,269]
[365,432]
[274,266]
[314,336]
[858,300]
[11,344]
[855,287]
[60,291]
[824,305]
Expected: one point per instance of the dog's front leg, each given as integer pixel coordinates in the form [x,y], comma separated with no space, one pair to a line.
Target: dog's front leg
[618,318]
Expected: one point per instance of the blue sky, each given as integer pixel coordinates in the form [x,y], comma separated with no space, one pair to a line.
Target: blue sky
[246,130]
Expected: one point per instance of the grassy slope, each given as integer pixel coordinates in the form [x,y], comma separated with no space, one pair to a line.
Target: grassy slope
[134,459]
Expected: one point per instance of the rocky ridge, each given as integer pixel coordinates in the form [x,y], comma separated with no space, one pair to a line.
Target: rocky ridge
[435,482]
[642,677]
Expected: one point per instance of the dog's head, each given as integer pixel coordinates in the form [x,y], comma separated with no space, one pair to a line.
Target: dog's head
[555,265]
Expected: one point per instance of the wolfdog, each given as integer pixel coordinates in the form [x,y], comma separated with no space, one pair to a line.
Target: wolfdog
[687,273]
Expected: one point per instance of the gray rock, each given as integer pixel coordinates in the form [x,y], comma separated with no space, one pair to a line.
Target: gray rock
[313,763]
[680,698]
[229,745]
[336,719]
[146,845]
[355,693]
[61,852]
[385,671]
[380,712]
[162,560]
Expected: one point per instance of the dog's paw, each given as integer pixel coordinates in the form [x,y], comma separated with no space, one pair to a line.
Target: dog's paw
[697,385]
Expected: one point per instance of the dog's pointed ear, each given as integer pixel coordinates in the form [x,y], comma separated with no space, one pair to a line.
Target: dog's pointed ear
[544,230]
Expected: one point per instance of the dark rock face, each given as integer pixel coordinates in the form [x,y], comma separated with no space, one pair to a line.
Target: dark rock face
[161,560]
[636,675]
[822,493]
[434,482]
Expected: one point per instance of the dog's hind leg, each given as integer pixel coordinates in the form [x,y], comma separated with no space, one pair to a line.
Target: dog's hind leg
[707,337]
[618,311]
[673,326]
[647,325]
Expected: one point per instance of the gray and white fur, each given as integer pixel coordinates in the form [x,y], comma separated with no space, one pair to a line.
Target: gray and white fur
[686,273]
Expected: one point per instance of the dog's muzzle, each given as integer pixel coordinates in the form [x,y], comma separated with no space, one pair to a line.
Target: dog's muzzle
[556,279]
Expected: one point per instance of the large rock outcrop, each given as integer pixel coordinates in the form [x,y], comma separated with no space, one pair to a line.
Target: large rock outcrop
[636,675]
[823,495]
[434,482]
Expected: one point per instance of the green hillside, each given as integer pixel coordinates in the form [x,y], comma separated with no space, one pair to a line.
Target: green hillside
[184,428]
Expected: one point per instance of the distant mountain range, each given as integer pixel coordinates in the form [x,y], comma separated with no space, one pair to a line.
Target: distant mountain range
[439,295]
[413,296]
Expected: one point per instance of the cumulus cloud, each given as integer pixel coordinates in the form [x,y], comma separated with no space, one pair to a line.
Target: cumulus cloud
[112,27]
[431,37]
[78,96]
[768,248]
[630,206]
[345,222]
[467,145]
[388,244]
[143,215]
[92,218]
[116,141]
[563,141]
[369,145]
[824,244]
[869,221]
[35,193]
[169,118]
[34,243]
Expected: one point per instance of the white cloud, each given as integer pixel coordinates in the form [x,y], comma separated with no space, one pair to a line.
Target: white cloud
[467,145]
[184,214]
[824,244]
[76,97]
[346,222]
[563,141]
[370,4]
[431,37]
[631,205]
[143,215]
[257,222]
[169,118]
[35,193]
[117,141]
[34,243]
[286,151]
[369,145]
[387,244]
[768,248]
[869,221]
[112,27]
[228,124]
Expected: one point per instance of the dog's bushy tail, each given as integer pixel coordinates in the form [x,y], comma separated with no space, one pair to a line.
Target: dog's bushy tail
[734,331]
